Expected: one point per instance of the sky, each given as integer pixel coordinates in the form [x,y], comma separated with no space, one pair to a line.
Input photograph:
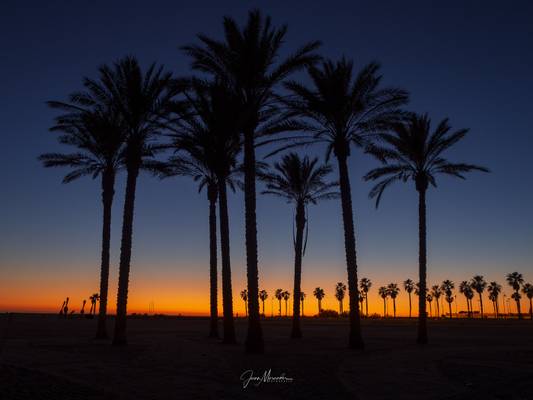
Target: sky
[469,61]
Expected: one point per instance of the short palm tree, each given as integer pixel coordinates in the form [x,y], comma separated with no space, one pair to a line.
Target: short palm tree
[447,288]
[344,110]
[286,296]
[94,299]
[383,291]
[249,60]
[429,299]
[494,289]
[527,289]
[465,288]
[436,292]
[319,294]
[413,153]
[263,295]
[279,295]
[516,280]
[300,181]
[365,284]
[302,298]
[479,284]
[97,135]
[393,293]
[340,290]
[244,297]
[409,286]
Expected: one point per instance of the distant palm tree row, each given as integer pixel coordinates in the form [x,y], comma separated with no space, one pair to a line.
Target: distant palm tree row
[130,118]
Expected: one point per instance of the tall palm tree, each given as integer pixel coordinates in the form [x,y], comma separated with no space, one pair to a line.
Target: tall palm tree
[527,289]
[436,292]
[302,298]
[447,287]
[263,295]
[244,297]
[343,110]
[365,284]
[97,135]
[206,142]
[286,296]
[279,295]
[393,293]
[383,291]
[249,60]
[414,153]
[94,299]
[494,289]
[340,290]
[300,181]
[466,289]
[409,286]
[319,294]
[516,280]
[429,299]
[479,284]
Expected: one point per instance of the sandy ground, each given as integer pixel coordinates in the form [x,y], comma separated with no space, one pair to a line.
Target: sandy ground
[42,357]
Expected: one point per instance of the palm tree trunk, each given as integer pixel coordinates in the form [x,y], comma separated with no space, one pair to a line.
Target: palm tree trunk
[518,305]
[430,312]
[481,304]
[384,308]
[213,276]
[254,339]
[530,309]
[409,304]
[279,307]
[394,307]
[263,307]
[108,191]
[227,295]
[366,304]
[302,308]
[497,308]
[298,249]
[450,306]
[319,307]
[438,307]
[355,338]
[422,264]
[119,337]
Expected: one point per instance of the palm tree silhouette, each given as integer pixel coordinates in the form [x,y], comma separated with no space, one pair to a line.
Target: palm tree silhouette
[299,181]
[365,284]
[515,280]
[244,296]
[319,294]
[340,290]
[393,293]
[383,291]
[302,298]
[206,141]
[361,301]
[413,153]
[436,292]
[97,134]
[345,110]
[263,295]
[465,288]
[429,299]
[94,299]
[82,311]
[527,289]
[409,286]
[249,59]
[286,296]
[479,284]
[494,289]
[447,288]
[279,295]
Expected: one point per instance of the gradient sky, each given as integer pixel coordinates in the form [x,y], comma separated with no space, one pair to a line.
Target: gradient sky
[469,61]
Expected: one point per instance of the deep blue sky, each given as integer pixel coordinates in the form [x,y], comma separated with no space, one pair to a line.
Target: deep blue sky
[470,61]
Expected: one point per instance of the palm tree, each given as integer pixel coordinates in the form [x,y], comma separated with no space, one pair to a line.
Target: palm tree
[97,135]
[299,181]
[94,299]
[340,290]
[494,289]
[345,110]
[319,294]
[409,286]
[361,301]
[436,292]
[527,289]
[365,284]
[413,153]
[383,291]
[479,284]
[244,296]
[447,288]
[393,293]
[515,280]
[466,289]
[302,298]
[429,299]
[263,295]
[279,295]
[286,296]
[249,60]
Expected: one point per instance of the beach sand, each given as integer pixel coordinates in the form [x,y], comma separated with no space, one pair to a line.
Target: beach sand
[44,357]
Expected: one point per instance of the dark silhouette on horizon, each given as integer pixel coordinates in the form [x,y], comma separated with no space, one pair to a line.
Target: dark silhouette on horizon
[319,294]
